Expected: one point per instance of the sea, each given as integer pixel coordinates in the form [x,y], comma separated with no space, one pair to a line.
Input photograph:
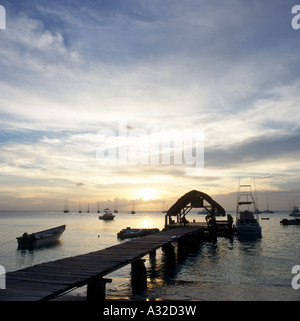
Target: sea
[225,269]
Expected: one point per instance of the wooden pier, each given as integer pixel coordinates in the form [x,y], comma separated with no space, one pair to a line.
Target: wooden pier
[46,281]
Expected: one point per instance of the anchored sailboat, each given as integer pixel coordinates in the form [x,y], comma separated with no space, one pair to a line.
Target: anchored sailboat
[116,207]
[133,207]
[267,210]
[66,208]
[79,210]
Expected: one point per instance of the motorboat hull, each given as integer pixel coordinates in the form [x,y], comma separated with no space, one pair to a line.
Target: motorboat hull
[245,229]
[290,222]
[30,241]
[107,217]
[295,214]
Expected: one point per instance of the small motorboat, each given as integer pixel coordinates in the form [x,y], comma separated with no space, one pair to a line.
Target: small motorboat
[136,232]
[295,221]
[107,215]
[30,241]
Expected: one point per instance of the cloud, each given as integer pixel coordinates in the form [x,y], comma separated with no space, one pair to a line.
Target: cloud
[256,152]
[69,69]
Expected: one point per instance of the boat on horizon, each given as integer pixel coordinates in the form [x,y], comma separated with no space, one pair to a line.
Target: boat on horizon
[116,207]
[204,211]
[107,215]
[30,241]
[133,208]
[79,209]
[164,209]
[295,212]
[247,222]
[66,208]
[268,210]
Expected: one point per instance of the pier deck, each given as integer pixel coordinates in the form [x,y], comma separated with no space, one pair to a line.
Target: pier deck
[47,280]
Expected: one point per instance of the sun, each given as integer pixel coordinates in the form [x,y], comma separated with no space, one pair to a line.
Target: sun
[147,194]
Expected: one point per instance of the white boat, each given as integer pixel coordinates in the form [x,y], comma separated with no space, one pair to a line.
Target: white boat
[247,222]
[30,241]
[295,212]
[107,215]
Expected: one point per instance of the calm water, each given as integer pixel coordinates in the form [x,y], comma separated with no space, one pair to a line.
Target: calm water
[229,269]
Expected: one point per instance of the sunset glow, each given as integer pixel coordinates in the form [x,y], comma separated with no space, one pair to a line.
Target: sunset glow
[72,72]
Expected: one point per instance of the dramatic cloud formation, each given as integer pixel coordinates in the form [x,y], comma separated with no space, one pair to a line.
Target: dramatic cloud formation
[69,69]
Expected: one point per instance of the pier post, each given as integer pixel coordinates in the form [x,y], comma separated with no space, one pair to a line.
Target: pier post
[170,257]
[152,273]
[169,270]
[96,289]
[152,256]
[138,277]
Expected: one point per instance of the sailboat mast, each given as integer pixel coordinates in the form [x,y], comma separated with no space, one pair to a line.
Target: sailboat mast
[256,202]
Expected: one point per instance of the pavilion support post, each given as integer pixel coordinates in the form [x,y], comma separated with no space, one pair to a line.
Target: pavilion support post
[96,289]
[138,277]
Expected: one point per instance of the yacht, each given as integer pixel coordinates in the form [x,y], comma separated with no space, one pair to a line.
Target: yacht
[108,215]
[295,212]
[247,222]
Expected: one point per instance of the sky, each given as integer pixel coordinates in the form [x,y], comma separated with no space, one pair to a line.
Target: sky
[83,81]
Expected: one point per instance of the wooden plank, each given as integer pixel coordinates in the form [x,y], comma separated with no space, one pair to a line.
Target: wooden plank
[49,279]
